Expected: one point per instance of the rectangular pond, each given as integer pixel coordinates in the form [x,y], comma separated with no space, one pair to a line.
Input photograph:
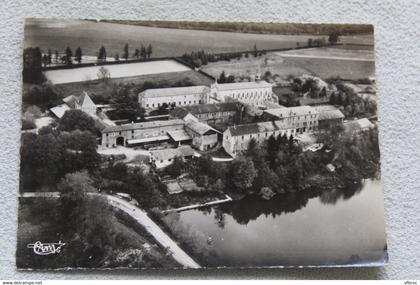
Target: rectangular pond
[79,74]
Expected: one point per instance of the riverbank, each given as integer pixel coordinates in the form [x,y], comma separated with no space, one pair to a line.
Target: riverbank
[216,236]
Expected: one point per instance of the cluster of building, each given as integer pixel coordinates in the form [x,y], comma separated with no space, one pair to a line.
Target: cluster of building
[197,110]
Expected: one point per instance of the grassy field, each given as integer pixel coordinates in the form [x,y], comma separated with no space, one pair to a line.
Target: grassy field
[297,66]
[89,35]
[257,27]
[122,70]
[346,51]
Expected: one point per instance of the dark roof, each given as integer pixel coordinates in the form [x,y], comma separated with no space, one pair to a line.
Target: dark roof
[143,125]
[200,128]
[73,99]
[255,128]
[181,112]
[329,112]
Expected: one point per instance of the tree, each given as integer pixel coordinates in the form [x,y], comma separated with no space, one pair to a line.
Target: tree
[79,151]
[68,56]
[222,77]
[242,173]
[310,42]
[102,54]
[32,65]
[103,74]
[49,56]
[56,56]
[78,55]
[44,96]
[126,104]
[45,60]
[40,160]
[334,37]
[143,51]
[78,120]
[136,53]
[323,92]
[149,50]
[125,52]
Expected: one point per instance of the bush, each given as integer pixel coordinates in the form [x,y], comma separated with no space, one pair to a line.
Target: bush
[28,124]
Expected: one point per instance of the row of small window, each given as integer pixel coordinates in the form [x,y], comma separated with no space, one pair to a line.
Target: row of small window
[194,102]
[132,131]
[247,95]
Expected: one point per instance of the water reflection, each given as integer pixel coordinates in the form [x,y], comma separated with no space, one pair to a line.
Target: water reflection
[252,206]
[342,226]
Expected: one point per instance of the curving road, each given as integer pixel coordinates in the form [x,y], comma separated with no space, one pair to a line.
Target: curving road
[141,217]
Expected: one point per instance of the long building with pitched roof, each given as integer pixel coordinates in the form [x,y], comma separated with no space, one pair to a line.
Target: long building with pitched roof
[176,96]
[236,138]
[252,93]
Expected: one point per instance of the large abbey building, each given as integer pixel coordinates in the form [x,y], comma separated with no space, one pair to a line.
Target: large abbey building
[177,96]
[252,93]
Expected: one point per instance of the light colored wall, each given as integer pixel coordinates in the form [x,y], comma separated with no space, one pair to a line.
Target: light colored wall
[111,138]
[182,100]
[236,144]
[249,96]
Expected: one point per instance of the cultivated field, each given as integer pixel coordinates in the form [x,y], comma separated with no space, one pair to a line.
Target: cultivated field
[79,74]
[327,62]
[58,34]
[341,52]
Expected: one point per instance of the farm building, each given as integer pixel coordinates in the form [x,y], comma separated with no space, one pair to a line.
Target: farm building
[328,116]
[82,102]
[208,113]
[357,126]
[165,157]
[302,118]
[236,138]
[203,136]
[177,96]
[140,133]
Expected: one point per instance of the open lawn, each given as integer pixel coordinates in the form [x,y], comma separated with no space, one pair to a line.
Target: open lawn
[345,52]
[79,74]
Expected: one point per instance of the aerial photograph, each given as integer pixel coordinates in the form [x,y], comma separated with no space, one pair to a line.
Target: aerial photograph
[168,144]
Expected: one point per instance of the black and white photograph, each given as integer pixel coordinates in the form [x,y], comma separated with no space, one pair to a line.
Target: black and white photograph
[183,144]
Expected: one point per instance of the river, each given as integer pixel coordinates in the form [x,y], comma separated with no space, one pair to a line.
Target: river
[337,227]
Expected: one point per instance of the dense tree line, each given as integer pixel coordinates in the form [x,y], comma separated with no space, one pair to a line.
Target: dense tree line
[200,58]
[260,28]
[310,86]
[48,156]
[353,105]
[125,101]
[44,96]
[282,166]
[32,65]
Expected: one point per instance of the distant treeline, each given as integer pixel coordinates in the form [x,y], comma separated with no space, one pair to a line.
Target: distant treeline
[259,28]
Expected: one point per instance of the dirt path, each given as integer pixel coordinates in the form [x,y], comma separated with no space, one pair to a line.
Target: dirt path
[141,217]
